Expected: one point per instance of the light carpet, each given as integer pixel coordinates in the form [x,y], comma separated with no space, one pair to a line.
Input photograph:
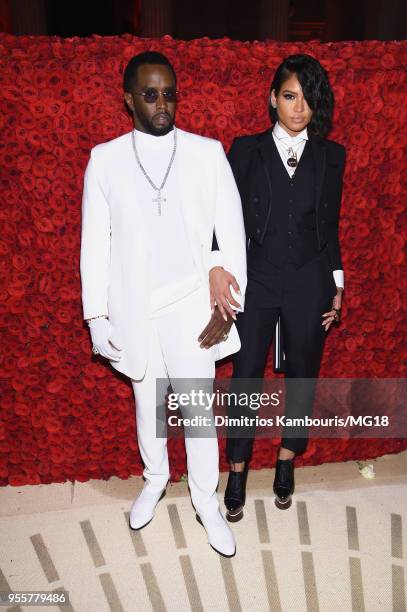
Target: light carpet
[340,547]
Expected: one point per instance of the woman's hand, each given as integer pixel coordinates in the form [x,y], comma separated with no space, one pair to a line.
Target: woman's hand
[220,281]
[334,315]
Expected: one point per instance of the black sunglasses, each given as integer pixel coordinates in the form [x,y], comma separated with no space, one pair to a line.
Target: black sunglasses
[151,94]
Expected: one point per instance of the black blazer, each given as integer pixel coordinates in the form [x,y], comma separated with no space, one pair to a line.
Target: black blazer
[250,159]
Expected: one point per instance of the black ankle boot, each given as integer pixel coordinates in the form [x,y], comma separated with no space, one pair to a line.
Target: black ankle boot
[235,495]
[283,486]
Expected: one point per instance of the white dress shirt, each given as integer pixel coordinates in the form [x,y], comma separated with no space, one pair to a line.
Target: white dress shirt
[283,142]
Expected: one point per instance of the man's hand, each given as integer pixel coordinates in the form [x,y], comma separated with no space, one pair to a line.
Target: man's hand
[216,330]
[219,284]
[334,315]
[101,331]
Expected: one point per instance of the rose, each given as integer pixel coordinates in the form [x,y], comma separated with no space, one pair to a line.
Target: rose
[367,471]
[61,97]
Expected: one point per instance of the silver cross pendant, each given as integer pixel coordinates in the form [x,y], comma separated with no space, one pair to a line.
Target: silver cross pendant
[159,199]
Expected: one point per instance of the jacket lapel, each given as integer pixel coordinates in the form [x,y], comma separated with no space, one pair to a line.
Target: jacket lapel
[266,155]
[186,184]
[318,149]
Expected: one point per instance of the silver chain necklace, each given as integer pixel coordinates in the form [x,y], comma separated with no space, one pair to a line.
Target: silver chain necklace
[159,199]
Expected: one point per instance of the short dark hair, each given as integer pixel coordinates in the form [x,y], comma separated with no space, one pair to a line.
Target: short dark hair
[147,57]
[315,85]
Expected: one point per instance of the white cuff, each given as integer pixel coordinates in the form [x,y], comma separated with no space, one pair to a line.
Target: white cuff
[215,259]
[339,278]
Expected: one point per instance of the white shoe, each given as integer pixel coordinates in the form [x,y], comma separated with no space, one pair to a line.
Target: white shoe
[143,508]
[220,536]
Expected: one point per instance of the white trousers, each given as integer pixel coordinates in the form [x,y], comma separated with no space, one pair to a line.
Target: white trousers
[175,357]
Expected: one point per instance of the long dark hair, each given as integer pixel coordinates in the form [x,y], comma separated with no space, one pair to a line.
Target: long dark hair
[315,85]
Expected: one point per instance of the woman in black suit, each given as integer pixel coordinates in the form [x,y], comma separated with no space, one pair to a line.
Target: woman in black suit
[290,183]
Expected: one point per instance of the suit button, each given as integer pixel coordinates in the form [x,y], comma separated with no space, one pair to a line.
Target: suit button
[289,233]
[323,221]
[257,231]
[255,199]
[290,201]
[325,204]
[290,246]
[290,215]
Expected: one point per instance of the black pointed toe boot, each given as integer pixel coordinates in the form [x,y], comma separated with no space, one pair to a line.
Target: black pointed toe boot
[283,486]
[235,495]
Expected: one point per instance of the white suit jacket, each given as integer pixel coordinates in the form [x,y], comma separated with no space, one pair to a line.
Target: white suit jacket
[115,246]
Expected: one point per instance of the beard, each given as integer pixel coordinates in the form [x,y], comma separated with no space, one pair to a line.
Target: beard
[155,130]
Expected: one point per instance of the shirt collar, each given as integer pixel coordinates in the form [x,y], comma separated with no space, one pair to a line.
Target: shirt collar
[149,141]
[280,133]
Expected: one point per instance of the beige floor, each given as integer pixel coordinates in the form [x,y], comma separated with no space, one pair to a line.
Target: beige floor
[338,548]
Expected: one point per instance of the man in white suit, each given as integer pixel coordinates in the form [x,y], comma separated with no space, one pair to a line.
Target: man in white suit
[152,200]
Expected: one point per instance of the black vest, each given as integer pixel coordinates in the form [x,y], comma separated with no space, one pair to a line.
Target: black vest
[291,235]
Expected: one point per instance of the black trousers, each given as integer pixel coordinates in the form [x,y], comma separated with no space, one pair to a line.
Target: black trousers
[299,296]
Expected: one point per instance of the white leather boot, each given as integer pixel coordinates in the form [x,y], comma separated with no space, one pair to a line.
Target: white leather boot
[143,508]
[220,536]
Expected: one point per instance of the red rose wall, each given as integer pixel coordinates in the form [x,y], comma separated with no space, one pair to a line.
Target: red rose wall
[68,415]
